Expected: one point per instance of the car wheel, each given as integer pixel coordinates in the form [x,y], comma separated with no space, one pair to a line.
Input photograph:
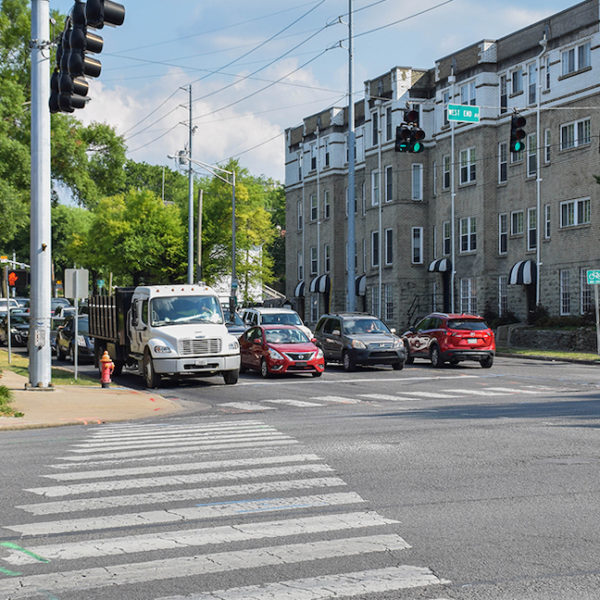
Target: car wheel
[487,362]
[436,357]
[317,373]
[151,378]
[231,377]
[264,369]
[398,366]
[347,362]
[409,359]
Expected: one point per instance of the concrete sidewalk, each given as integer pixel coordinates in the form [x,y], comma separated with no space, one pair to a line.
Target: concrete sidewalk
[79,405]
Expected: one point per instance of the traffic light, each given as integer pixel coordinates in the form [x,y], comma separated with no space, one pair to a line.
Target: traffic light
[68,86]
[517,133]
[18,279]
[402,138]
[411,117]
[416,135]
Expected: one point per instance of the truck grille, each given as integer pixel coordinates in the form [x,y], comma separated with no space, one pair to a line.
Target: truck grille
[202,346]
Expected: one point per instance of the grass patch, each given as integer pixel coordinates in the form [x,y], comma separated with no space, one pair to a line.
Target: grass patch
[6,409]
[556,354]
[59,376]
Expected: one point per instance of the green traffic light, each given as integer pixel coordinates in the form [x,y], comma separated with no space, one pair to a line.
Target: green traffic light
[417,147]
[518,146]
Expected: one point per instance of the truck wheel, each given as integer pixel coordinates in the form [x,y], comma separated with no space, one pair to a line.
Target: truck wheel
[118,368]
[151,378]
[231,377]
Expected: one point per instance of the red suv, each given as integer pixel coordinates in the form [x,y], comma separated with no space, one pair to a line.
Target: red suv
[450,338]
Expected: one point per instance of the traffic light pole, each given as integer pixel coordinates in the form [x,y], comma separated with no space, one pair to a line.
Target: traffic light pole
[350,290]
[40,232]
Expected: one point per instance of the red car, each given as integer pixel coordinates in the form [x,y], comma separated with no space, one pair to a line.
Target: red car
[272,349]
[452,338]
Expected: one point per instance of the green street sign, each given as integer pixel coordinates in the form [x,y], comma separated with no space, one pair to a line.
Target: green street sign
[593,277]
[460,112]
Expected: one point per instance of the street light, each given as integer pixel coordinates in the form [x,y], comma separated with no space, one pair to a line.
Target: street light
[212,169]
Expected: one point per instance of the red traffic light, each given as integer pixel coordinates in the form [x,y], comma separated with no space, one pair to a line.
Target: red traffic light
[12,279]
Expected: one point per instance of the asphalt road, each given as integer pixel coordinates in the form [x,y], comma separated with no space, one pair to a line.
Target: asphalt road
[462,483]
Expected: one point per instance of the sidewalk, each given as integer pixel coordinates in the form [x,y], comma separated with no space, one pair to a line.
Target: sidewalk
[79,405]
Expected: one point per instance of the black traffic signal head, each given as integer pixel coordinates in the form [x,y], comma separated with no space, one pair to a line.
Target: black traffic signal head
[104,12]
[411,117]
[517,133]
[402,139]
[416,136]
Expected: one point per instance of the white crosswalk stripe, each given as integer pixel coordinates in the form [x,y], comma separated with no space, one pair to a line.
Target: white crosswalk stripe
[229,484]
[337,399]
[247,406]
[292,402]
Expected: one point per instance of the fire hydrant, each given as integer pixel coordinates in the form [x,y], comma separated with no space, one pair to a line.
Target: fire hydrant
[106,368]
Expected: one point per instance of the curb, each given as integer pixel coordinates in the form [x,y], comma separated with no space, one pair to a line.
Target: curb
[581,361]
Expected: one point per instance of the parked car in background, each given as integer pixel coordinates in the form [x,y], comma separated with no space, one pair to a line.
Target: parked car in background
[279,349]
[56,302]
[233,322]
[19,328]
[23,303]
[358,339]
[65,340]
[260,315]
[5,304]
[442,337]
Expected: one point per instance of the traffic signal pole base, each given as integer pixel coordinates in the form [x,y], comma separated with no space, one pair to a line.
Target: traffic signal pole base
[39,388]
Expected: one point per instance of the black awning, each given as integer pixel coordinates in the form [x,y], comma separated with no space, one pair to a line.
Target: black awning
[441,265]
[523,272]
[299,290]
[320,284]
[360,285]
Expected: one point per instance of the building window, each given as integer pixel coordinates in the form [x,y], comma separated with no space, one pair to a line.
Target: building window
[388,297]
[417,245]
[531,228]
[374,128]
[503,94]
[565,292]
[364,255]
[547,145]
[516,223]
[547,221]
[314,209]
[314,307]
[374,188]
[445,101]
[502,233]
[446,172]
[326,258]
[375,248]
[468,93]
[502,162]
[575,134]
[517,81]
[531,155]
[314,263]
[375,308]
[346,193]
[446,238]
[363,191]
[313,157]
[326,205]
[531,82]
[389,246]
[326,151]
[547,72]
[575,59]
[435,178]
[585,293]
[468,170]
[417,181]
[300,266]
[388,123]
[468,298]
[299,212]
[468,234]
[575,212]
[389,184]
[502,295]
[299,159]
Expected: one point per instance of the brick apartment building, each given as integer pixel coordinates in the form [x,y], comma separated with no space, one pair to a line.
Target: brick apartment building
[475,229]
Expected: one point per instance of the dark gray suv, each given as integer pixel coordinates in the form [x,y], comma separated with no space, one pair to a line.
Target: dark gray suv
[358,339]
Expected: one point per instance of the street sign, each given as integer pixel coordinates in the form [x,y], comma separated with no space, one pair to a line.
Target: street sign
[460,112]
[76,283]
[593,277]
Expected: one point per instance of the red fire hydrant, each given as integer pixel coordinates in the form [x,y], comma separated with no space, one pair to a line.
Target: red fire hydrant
[106,368]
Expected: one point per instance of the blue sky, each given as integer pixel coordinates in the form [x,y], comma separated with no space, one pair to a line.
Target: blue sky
[259,67]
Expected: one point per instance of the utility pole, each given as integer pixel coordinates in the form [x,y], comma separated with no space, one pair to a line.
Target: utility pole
[200,191]
[350,289]
[190,197]
[40,232]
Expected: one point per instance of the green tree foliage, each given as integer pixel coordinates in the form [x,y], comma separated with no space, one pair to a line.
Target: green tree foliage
[69,223]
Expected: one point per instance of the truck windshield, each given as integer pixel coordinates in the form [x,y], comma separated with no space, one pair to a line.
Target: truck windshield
[185,309]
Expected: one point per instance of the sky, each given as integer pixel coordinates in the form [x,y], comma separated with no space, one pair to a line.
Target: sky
[257,68]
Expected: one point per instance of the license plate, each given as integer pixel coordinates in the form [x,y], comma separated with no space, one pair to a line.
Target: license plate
[472,340]
[300,363]
[201,363]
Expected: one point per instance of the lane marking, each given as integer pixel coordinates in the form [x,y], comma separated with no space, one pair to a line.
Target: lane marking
[174,515]
[475,392]
[23,552]
[246,406]
[103,486]
[296,403]
[379,397]
[107,502]
[195,466]
[335,381]
[357,583]
[194,538]
[189,566]
[513,390]
[337,399]
[425,394]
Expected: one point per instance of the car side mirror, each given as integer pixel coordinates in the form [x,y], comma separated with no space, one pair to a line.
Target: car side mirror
[313,340]
[259,342]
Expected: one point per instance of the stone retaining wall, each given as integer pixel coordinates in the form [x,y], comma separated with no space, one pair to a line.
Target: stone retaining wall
[582,339]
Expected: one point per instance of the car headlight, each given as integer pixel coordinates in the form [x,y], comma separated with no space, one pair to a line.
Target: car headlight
[234,345]
[398,343]
[162,349]
[14,330]
[81,341]
[358,344]
[274,354]
[319,353]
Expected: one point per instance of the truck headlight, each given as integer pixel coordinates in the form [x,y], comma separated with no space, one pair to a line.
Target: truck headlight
[161,349]
[234,345]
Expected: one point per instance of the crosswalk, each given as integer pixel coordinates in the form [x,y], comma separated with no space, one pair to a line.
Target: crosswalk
[451,393]
[108,518]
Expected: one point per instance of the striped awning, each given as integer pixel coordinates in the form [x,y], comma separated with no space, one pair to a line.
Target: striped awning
[360,285]
[320,284]
[299,290]
[441,265]
[523,272]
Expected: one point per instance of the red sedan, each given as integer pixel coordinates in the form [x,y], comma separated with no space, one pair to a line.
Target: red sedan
[272,349]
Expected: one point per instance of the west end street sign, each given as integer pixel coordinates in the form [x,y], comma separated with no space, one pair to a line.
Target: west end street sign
[460,112]
[593,277]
